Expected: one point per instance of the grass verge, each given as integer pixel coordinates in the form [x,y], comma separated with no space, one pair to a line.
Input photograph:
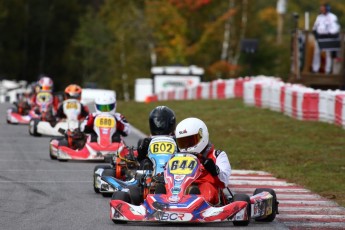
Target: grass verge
[311,154]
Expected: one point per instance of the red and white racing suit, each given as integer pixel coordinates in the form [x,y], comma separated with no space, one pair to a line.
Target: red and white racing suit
[122,126]
[208,184]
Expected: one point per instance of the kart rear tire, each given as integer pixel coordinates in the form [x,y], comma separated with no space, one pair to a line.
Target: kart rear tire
[94,177]
[124,196]
[135,195]
[246,198]
[108,172]
[275,203]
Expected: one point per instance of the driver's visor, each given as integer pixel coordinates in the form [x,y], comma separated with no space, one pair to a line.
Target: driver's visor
[105,108]
[45,88]
[188,141]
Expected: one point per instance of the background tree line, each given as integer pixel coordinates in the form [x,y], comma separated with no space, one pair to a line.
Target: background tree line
[114,42]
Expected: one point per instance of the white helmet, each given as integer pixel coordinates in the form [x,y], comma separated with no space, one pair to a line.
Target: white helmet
[46,84]
[192,135]
[105,102]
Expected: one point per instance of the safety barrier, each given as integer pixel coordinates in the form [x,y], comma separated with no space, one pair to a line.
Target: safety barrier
[294,100]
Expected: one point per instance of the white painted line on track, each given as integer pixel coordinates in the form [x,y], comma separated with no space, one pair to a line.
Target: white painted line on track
[312,208]
[277,190]
[14,160]
[317,202]
[44,170]
[312,211]
[244,172]
[299,196]
[33,181]
[323,226]
[304,216]
[266,183]
[253,178]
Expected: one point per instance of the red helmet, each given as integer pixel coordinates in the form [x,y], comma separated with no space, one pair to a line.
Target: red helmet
[46,84]
[73,91]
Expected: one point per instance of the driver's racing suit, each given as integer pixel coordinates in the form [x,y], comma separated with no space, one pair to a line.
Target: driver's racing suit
[217,173]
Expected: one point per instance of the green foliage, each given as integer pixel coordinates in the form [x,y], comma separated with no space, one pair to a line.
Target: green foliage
[115,42]
[310,154]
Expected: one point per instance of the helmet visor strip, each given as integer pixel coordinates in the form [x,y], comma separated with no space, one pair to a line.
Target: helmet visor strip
[189,141]
[105,108]
[45,88]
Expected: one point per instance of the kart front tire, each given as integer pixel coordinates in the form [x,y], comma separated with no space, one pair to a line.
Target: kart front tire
[94,176]
[246,198]
[108,172]
[275,203]
[33,127]
[135,195]
[124,196]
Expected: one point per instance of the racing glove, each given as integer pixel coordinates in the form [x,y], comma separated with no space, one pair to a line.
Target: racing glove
[142,149]
[211,167]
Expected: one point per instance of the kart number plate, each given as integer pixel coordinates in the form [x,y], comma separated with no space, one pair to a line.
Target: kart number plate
[182,165]
[162,148]
[71,105]
[44,97]
[105,122]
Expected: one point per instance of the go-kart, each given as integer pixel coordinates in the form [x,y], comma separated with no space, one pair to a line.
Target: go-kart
[21,113]
[150,173]
[44,111]
[119,171]
[39,127]
[176,204]
[105,127]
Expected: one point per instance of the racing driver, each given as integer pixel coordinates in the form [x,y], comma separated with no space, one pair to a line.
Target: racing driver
[192,136]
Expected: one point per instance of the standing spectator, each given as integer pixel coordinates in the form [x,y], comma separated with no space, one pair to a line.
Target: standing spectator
[326,25]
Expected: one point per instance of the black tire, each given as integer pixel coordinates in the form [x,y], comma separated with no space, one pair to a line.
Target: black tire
[94,177]
[135,194]
[272,216]
[139,142]
[246,198]
[51,155]
[108,172]
[124,196]
[146,164]
[194,190]
[50,151]
[33,127]
[160,189]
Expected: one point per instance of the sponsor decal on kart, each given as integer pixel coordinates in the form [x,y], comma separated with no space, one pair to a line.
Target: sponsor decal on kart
[173,216]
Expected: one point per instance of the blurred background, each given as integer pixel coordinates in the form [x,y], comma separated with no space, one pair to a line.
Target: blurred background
[109,44]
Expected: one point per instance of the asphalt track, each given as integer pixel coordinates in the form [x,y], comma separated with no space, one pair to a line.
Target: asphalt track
[39,193]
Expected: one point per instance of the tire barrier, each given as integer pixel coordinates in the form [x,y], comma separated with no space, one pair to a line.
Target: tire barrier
[294,100]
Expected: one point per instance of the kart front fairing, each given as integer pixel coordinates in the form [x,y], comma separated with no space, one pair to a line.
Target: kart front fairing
[91,151]
[191,208]
[16,118]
